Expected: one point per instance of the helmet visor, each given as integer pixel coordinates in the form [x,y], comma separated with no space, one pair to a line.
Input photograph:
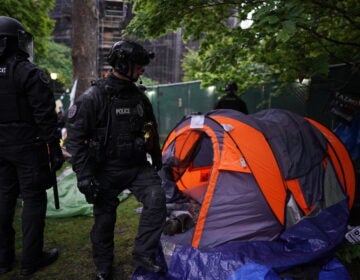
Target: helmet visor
[26,43]
[2,45]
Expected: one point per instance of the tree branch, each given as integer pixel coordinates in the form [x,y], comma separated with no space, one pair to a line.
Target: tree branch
[317,34]
[344,13]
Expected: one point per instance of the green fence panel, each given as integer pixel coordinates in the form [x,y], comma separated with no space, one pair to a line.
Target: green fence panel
[174,101]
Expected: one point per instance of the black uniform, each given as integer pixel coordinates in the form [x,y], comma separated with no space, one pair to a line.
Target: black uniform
[27,122]
[232,101]
[106,128]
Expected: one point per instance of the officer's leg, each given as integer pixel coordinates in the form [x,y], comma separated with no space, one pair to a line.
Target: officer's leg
[8,196]
[102,233]
[147,189]
[33,193]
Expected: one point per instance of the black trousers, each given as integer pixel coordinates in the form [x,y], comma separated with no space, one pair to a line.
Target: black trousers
[22,170]
[146,186]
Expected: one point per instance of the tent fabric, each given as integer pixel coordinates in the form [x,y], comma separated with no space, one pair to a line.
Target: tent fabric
[72,201]
[251,271]
[274,189]
[341,159]
[311,240]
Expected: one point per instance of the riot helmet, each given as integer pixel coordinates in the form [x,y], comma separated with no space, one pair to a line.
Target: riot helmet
[231,87]
[124,55]
[14,38]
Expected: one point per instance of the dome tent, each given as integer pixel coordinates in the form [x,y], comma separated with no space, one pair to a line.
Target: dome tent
[275,190]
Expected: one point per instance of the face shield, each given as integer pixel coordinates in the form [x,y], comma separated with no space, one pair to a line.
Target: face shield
[2,45]
[26,43]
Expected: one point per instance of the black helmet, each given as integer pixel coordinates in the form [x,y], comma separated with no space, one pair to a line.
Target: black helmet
[125,54]
[14,37]
[231,87]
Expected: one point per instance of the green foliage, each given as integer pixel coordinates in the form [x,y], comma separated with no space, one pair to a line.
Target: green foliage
[58,60]
[34,15]
[286,39]
[349,253]
[191,66]
[148,82]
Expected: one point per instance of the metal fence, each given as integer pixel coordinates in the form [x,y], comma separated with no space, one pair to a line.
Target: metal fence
[172,102]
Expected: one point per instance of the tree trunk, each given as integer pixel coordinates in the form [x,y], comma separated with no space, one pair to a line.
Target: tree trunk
[84,43]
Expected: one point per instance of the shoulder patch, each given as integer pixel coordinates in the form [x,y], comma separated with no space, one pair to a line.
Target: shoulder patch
[43,77]
[72,111]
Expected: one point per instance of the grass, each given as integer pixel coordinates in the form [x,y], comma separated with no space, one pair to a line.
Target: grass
[72,237]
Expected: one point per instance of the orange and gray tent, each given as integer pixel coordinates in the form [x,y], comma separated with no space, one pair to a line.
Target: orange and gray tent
[266,182]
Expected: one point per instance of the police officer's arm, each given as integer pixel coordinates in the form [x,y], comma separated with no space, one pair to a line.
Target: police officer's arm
[41,100]
[80,120]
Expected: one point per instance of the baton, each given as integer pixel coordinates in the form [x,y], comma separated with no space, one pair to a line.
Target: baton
[53,179]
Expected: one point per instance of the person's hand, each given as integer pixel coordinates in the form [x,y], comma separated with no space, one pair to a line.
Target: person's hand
[90,188]
[56,155]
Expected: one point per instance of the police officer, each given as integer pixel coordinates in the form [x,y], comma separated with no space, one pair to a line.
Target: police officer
[111,128]
[28,132]
[231,100]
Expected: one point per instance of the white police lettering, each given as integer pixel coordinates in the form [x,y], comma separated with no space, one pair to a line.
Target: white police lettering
[3,70]
[122,111]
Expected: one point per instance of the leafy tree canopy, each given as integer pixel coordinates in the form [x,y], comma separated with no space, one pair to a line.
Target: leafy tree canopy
[148,82]
[58,60]
[288,39]
[34,15]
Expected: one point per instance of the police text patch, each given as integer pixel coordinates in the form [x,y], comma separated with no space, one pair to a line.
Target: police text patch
[3,70]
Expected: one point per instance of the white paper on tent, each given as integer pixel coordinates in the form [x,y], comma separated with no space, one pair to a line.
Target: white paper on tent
[197,121]
[227,127]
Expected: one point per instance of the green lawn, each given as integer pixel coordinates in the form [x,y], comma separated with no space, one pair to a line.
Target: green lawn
[71,237]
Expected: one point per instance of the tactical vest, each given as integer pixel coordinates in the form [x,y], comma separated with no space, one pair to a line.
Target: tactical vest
[124,133]
[127,127]
[13,104]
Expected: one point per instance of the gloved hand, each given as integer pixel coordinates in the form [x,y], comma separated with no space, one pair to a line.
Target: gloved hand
[90,188]
[56,154]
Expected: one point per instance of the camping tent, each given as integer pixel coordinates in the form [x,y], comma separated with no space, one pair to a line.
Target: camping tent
[275,191]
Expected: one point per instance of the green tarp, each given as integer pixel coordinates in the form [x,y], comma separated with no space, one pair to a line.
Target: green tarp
[72,202]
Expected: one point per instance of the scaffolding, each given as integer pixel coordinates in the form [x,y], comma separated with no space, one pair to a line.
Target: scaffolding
[112,17]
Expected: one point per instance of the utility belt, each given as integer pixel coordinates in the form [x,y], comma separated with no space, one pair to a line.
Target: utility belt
[126,149]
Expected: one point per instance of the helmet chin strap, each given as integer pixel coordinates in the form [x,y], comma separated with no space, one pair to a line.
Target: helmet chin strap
[131,76]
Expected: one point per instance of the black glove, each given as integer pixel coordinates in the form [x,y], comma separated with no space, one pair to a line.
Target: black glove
[157,162]
[90,188]
[56,155]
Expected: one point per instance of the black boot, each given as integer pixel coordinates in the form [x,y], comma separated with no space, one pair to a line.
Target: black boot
[149,264]
[47,258]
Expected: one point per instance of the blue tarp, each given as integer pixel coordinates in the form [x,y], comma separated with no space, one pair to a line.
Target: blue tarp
[312,240]
[349,134]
